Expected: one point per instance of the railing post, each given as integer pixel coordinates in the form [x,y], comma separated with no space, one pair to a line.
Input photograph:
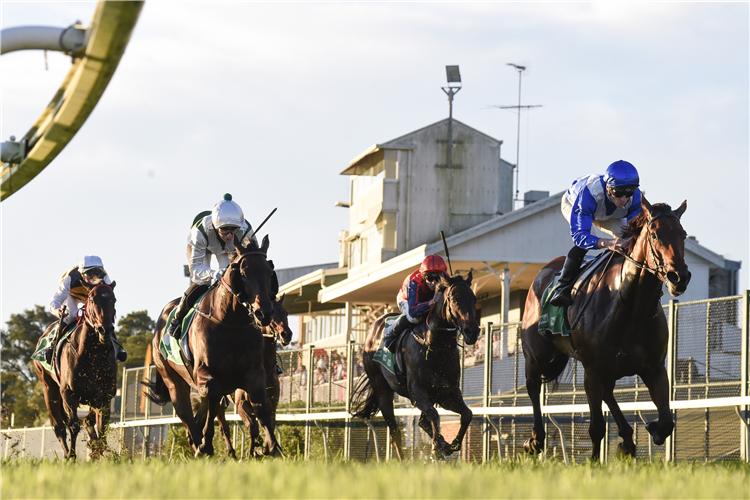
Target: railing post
[123,394]
[671,362]
[745,388]
[309,396]
[41,452]
[487,393]
[349,387]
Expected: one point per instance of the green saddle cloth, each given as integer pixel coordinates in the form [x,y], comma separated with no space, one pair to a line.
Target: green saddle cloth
[45,343]
[383,355]
[552,318]
[171,350]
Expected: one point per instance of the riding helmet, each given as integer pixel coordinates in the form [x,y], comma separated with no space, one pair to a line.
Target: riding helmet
[433,264]
[90,262]
[227,213]
[621,174]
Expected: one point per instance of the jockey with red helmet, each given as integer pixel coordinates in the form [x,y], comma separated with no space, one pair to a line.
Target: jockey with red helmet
[417,295]
[609,202]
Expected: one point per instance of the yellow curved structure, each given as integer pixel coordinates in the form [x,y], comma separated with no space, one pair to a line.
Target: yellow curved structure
[82,88]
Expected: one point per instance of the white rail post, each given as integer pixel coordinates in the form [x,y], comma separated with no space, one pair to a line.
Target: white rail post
[671,355]
[744,363]
[487,392]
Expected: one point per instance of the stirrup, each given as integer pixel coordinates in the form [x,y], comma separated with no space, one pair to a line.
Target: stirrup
[122,355]
[174,325]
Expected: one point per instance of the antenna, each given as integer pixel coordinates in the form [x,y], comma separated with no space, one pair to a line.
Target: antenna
[453,76]
[518,107]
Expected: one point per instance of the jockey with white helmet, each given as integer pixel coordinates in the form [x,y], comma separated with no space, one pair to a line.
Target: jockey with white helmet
[211,234]
[609,202]
[74,287]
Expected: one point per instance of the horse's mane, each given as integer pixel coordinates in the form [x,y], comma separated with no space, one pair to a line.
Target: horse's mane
[446,282]
[634,227]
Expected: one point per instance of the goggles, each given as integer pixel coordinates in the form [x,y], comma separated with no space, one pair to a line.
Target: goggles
[94,272]
[627,192]
[229,229]
[432,277]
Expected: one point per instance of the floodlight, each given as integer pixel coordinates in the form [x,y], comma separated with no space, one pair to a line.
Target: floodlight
[453,74]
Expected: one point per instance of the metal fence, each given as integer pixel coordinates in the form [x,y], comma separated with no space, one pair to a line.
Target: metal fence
[707,363]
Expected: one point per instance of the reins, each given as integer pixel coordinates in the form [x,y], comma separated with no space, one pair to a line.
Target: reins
[659,269]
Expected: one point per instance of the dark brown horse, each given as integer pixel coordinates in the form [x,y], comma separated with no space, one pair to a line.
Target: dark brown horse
[279,331]
[227,345]
[432,367]
[622,332]
[88,373]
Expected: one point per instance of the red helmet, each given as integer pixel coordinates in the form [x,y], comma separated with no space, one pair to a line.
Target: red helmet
[433,264]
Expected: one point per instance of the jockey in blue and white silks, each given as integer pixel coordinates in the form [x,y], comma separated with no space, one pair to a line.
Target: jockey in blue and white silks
[606,201]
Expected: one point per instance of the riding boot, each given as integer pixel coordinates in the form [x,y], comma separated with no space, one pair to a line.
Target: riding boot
[390,340]
[562,297]
[174,326]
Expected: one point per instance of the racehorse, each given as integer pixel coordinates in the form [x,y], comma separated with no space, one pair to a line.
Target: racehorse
[431,364]
[226,342]
[622,331]
[87,373]
[278,330]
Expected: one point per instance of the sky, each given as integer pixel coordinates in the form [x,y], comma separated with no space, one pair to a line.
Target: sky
[271,101]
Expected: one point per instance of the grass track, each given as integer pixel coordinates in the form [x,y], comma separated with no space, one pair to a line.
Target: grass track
[216,478]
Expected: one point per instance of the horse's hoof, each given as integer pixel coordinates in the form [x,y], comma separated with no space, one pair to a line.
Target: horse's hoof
[651,427]
[455,446]
[625,452]
[531,446]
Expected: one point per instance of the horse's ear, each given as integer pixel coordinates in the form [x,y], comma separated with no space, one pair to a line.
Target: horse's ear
[280,300]
[646,205]
[681,209]
[112,285]
[238,244]
[264,245]
[468,278]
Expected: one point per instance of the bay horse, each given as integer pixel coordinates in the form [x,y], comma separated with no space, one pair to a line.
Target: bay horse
[432,367]
[87,373]
[227,345]
[277,331]
[622,332]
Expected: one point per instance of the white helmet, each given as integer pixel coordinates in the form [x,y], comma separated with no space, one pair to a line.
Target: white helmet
[227,213]
[90,262]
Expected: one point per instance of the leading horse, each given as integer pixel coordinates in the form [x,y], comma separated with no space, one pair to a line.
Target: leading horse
[432,368]
[622,331]
[87,373]
[277,330]
[227,344]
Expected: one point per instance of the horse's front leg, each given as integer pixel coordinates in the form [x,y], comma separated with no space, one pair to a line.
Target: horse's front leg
[456,404]
[255,387]
[207,446]
[658,388]
[224,427]
[627,447]
[429,421]
[53,399]
[535,444]
[594,393]
[70,404]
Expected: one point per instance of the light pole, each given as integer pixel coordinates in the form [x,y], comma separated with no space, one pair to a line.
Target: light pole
[453,76]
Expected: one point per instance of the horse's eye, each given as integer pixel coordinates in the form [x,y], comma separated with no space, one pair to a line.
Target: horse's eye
[654,237]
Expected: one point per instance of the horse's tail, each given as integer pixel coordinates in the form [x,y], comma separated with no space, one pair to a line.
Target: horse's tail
[555,368]
[157,390]
[364,403]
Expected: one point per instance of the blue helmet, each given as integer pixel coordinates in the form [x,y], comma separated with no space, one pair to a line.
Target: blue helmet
[621,174]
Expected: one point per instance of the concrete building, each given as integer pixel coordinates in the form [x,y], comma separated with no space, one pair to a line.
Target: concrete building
[403,194]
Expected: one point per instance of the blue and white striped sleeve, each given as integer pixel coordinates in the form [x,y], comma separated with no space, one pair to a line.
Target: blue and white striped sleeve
[581,220]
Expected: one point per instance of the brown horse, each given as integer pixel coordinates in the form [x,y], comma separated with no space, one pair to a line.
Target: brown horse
[622,331]
[87,373]
[279,331]
[227,345]
[432,366]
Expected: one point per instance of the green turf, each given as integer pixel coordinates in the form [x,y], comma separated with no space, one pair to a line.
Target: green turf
[220,478]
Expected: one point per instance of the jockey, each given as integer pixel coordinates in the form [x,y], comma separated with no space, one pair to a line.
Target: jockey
[74,288]
[211,235]
[607,201]
[417,295]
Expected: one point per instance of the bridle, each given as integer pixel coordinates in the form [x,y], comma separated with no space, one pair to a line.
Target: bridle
[659,269]
[86,316]
[223,282]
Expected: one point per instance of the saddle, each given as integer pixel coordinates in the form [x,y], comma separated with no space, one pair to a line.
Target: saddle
[394,363]
[179,353]
[553,320]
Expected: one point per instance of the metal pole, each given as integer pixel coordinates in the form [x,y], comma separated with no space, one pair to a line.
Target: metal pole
[487,392]
[745,387]
[309,398]
[349,386]
[671,354]
[450,128]
[518,133]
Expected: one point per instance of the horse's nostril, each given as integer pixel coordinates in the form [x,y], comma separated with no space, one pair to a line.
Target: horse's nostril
[673,277]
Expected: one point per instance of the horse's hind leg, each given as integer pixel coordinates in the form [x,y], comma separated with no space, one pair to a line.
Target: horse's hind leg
[224,426]
[385,401]
[535,444]
[456,404]
[627,447]
[595,395]
[658,387]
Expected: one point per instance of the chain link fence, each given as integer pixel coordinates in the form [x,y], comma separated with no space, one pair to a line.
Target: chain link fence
[707,363]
